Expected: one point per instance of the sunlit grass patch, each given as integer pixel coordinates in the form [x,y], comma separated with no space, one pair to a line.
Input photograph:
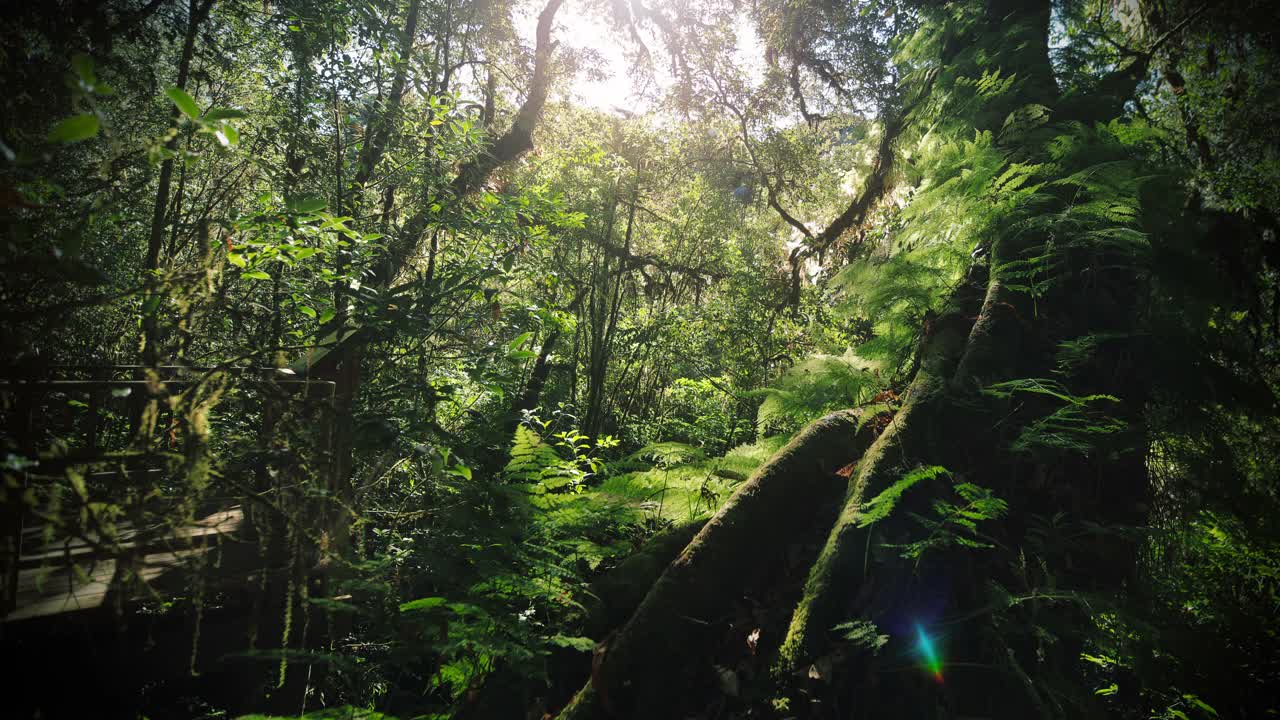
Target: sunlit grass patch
[691,490]
[744,459]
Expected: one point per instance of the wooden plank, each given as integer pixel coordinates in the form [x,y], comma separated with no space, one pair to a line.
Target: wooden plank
[225,522]
[57,587]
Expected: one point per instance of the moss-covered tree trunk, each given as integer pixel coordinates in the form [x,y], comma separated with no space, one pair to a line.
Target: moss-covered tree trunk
[871,587]
[640,671]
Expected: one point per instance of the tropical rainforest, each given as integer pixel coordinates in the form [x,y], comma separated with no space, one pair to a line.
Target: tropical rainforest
[620,359]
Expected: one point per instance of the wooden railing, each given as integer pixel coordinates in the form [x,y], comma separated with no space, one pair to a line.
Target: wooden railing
[64,424]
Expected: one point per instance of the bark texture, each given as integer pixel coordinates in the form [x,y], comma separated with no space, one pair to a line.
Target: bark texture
[743,545]
[925,418]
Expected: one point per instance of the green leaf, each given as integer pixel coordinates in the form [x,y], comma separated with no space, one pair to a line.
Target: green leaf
[83,65]
[184,101]
[327,315]
[1194,700]
[236,259]
[308,311]
[75,128]
[879,507]
[256,275]
[421,604]
[1111,689]
[521,339]
[1102,662]
[863,633]
[308,204]
[220,113]
[227,136]
[581,644]
[335,606]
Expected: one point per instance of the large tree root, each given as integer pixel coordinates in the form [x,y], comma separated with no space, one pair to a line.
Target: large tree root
[927,420]
[620,591]
[743,544]
[631,676]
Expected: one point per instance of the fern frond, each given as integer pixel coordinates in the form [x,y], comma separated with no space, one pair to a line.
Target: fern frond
[879,507]
[1077,426]
[817,385]
[667,453]
[530,456]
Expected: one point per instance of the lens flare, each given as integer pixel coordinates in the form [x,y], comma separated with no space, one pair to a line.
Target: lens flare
[930,653]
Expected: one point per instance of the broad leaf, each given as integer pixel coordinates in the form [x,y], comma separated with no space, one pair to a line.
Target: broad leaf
[184,102]
[75,129]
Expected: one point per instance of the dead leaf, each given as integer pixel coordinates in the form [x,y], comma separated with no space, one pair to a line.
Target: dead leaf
[885,396]
[821,669]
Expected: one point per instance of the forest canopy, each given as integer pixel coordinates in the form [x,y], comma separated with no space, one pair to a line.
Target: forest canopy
[591,359]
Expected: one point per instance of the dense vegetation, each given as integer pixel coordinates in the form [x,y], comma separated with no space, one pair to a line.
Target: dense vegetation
[884,358]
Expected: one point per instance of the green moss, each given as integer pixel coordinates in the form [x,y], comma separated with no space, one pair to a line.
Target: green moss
[838,572]
[736,551]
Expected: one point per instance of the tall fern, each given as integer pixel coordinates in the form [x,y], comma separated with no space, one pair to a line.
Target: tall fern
[531,458]
[815,386]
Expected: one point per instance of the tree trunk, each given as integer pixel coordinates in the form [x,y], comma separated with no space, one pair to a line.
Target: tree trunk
[532,394]
[198,11]
[744,544]
[924,420]
[989,333]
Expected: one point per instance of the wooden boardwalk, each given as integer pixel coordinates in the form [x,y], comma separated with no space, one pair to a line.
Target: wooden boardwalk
[84,411]
[71,575]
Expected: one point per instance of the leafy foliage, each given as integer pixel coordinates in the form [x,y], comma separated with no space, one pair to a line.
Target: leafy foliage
[879,507]
[955,523]
[282,260]
[1079,424]
[816,385]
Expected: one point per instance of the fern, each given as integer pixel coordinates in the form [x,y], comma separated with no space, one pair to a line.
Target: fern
[564,466]
[817,385]
[666,454]
[990,84]
[953,523]
[1077,352]
[1076,426]
[896,294]
[879,507]
[863,634]
[530,457]
[956,524]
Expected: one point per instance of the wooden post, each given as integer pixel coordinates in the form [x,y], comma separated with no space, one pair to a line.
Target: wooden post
[12,506]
